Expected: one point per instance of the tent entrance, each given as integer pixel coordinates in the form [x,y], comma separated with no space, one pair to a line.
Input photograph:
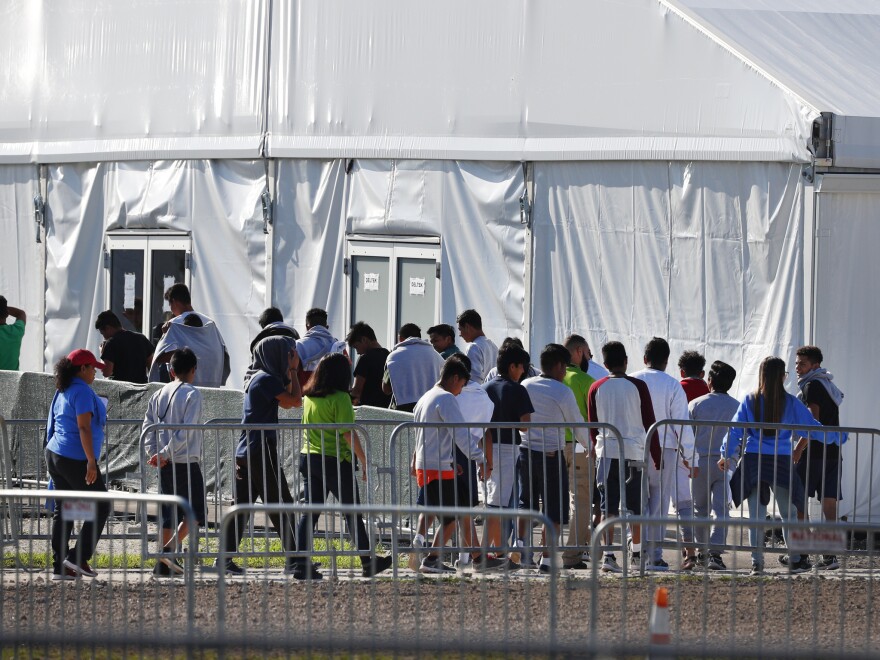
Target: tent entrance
[393,282]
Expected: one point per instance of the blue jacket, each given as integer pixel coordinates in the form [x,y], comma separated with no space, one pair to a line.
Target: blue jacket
[760,441]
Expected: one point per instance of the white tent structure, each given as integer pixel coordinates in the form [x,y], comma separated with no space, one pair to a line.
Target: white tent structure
[703,170]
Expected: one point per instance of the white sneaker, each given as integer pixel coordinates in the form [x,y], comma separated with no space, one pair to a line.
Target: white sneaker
[610,565]
[415,557]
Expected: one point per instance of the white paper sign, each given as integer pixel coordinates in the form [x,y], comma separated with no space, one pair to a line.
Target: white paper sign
[371,281]
[128,291]
[820,541]
[84,510]
[417,286]
[167,282]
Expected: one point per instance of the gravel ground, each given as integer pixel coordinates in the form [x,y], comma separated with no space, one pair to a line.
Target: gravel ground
[827,614]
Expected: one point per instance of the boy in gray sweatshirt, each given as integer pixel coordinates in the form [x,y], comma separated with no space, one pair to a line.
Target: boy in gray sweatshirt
[709,485]
[176,453]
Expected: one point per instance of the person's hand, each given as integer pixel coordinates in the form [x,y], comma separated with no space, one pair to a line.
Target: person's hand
[485,471]
[91,472]
[723,464]
[797,454]
[292,360]
[153,459]
[695,472]
[459,470]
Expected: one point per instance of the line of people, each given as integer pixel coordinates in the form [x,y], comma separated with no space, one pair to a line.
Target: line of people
[563,472]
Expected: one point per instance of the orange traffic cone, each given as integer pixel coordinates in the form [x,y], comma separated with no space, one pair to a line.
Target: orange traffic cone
[660,633]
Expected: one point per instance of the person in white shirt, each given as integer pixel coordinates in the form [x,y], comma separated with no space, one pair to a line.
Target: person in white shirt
[671,483]
[175,454]
[433,465]
[411,369]
[315,344]
[594,369]
[542,472]
[530,370]
[480,350]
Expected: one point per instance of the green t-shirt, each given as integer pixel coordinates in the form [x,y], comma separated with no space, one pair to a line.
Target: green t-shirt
[578,382]
[10,344]
[333,409]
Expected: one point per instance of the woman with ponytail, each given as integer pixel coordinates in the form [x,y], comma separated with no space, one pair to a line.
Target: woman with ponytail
[74,437]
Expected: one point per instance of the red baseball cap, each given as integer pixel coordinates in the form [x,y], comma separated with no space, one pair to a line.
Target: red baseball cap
[81,357]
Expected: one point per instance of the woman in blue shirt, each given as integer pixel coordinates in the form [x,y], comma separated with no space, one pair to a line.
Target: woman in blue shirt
[766,459]
[74,437]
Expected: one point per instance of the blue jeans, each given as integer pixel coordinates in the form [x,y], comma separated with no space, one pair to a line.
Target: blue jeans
[758,512]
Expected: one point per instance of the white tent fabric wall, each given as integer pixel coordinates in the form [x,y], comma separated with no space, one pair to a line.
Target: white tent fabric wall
[474,208]
[308,241]
[846,318]
[90,81]
[707,255]
[217,201]
[21,277]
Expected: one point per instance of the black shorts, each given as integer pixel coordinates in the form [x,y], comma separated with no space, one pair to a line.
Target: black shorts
[444,492]
[185,480]
[544,477]
[468,477]
[610,489]
[820,471]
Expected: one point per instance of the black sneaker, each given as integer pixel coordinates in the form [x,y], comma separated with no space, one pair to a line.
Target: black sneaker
[172,563]
[828,563]
[511,565]
[303,572]
[434,565]
[757,569]
[577,566]
[715,563]
[803,565]
[485,564]
[377,565]
[231,567]
[162,570]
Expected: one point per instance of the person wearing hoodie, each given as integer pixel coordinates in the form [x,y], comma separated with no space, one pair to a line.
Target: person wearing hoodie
[817,462]
[270,383]
[315,344]
[412,368]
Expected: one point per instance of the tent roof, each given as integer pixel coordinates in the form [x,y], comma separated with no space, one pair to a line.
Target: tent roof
[826,52]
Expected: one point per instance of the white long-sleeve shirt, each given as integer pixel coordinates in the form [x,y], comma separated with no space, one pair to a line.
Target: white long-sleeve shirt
[483,355]
[670,402]
[435,447]
[476,407]
[175,403]
[553,403]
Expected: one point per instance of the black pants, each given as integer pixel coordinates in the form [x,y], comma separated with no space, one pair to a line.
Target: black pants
[70,474]
[327,474]
[262,479]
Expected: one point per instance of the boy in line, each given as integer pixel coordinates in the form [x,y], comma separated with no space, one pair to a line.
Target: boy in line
[433,464]
[542,470]
[709,487]
[625,403]
[176,454]
[512,405]
[691,366]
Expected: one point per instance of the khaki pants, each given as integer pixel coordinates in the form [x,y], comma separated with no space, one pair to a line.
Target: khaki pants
[580,491]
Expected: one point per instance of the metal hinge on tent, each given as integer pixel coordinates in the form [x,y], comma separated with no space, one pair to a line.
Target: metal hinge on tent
[106,259]
[188,260]
[345,265]
[525,209]
[266,200]
[437,270]
[39,214]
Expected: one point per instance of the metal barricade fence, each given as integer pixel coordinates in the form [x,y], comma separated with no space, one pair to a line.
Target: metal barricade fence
[738,612]
[122,602]
[489,612]
[274,469]
[718,493]
[555,482]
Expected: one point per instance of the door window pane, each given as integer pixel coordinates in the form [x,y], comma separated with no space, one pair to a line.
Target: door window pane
[127,287]
[370,295]
[416,292]
[168,267]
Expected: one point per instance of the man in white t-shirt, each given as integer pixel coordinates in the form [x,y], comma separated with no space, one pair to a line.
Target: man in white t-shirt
[480,350]
[671,483]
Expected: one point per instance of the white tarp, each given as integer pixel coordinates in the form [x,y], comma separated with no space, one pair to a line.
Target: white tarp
[21,273]
[87,80]
[826,52]
[706,255]
[217,201]
[846,319]
[474,208]
[521,80]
